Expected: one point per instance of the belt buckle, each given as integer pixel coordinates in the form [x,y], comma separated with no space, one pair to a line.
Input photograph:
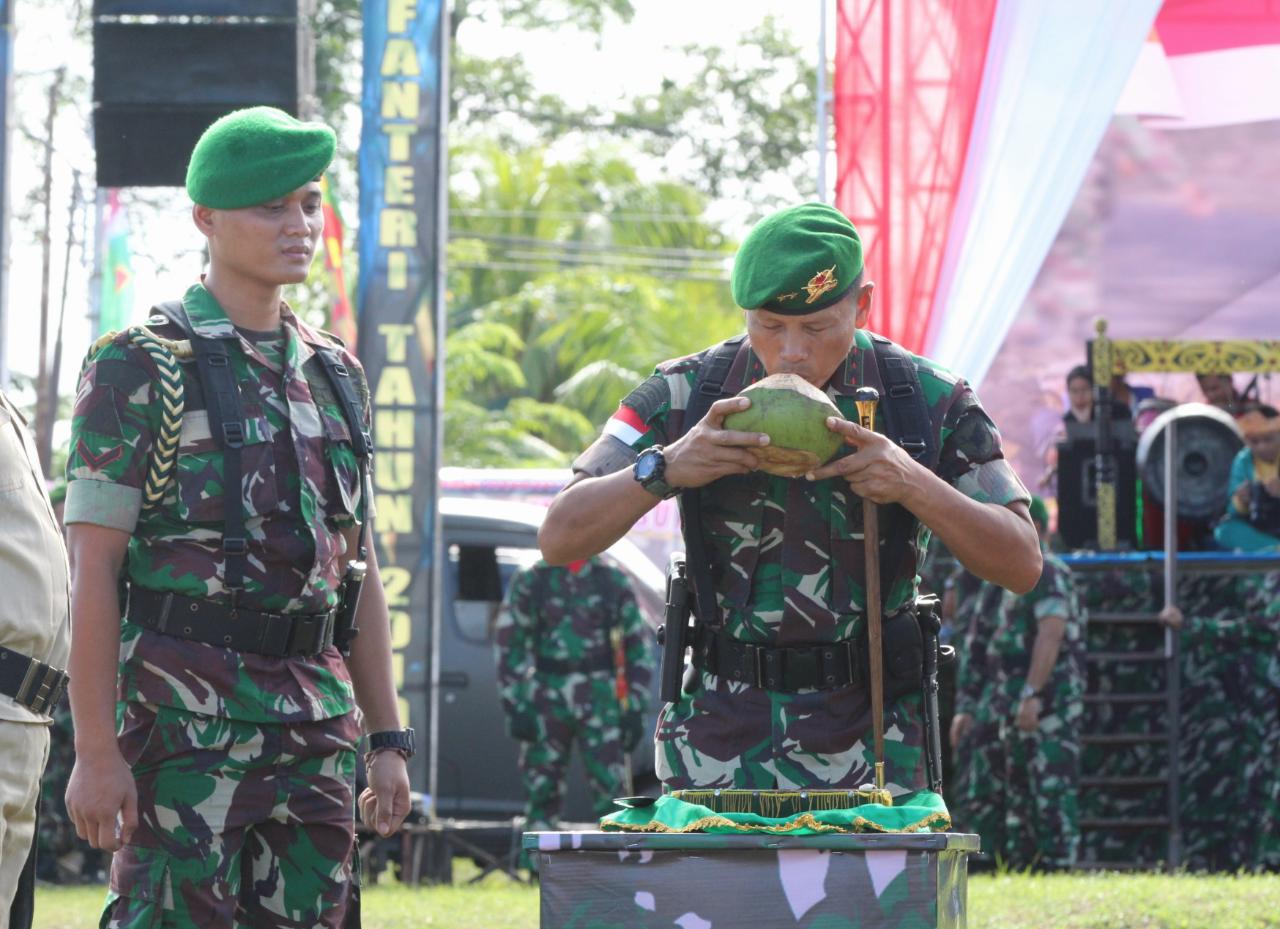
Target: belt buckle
[277,635]
[757,655]
[47,691]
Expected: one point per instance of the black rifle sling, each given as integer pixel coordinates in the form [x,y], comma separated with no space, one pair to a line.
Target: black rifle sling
[226,423]
[708,387]
[353,412]
[907,422]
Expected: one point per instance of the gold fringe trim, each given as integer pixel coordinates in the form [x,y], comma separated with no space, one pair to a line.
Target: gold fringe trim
[804,821]
[776,804]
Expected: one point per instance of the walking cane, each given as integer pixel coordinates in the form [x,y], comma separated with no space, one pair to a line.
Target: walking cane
[866,398]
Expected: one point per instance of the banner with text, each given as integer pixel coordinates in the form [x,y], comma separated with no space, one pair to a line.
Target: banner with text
[401,325]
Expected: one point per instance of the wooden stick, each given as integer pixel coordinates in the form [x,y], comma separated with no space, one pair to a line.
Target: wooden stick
[867,399]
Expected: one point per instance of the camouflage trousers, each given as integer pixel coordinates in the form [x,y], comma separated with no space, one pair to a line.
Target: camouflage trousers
[1019,790]
[544,763]
[239,824]
[729,734]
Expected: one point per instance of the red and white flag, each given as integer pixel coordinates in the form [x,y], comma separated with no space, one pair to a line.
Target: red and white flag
[1208,63]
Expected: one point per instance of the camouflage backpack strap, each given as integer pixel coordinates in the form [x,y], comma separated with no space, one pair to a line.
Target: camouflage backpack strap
[226,422]
[907,422]
[708,387]
[170,397]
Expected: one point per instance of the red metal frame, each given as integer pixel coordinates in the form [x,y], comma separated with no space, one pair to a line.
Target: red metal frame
[906,85]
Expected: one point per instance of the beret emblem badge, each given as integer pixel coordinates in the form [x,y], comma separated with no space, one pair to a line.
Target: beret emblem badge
[821,283]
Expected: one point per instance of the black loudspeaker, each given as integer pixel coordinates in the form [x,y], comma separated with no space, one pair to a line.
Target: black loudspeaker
[1078,484]
[163,70]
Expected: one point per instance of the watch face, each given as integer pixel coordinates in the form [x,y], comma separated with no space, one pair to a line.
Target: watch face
[646,466]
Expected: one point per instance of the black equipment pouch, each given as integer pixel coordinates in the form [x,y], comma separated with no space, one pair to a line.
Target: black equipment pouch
[673,634]
[346,628]
[930,624]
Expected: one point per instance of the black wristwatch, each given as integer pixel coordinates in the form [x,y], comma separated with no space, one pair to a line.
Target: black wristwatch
[650,470]
[396,740]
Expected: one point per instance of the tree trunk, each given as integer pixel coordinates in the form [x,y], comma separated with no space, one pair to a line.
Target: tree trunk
[44,394]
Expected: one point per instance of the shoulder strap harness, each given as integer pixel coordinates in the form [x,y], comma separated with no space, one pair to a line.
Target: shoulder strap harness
[226,419]
[907,422]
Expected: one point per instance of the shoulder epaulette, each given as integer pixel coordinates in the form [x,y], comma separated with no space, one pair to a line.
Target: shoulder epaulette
[332,337]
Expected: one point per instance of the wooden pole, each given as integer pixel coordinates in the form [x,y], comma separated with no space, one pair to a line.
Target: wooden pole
[867,398]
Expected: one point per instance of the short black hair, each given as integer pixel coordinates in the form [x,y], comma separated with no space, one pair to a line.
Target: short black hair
[1267,411]
[1080,371]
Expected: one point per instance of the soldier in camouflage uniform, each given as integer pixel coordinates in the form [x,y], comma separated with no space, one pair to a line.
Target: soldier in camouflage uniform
[571,649]
[224,778]
[1018,711]
[787,554]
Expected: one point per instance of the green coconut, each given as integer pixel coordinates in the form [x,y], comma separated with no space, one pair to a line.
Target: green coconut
[793,413]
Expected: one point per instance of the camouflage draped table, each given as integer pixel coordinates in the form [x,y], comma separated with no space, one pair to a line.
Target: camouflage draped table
[609,880]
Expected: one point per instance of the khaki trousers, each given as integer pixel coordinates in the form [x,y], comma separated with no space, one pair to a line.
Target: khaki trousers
[24,750]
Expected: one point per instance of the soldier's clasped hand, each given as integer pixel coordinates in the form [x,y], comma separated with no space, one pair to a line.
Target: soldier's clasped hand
[709,451]
[880,470]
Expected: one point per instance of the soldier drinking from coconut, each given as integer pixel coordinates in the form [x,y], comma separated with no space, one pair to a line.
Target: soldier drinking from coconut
[780,696]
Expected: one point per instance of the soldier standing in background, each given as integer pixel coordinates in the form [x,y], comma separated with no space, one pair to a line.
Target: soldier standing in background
[1019,705]
[574,664]
[223,776]
[33,649]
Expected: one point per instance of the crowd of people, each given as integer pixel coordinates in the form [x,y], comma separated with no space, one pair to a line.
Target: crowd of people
[1250,521]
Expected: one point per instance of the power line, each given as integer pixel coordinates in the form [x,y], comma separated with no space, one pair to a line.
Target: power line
[579,214]
[540,269]
[572,245]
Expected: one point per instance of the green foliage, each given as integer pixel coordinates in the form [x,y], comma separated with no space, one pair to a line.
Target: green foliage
[570,277]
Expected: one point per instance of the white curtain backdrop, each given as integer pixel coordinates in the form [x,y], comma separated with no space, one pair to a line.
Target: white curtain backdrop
[1053,74]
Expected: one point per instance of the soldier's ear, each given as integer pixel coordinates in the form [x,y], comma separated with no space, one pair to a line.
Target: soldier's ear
[202,216]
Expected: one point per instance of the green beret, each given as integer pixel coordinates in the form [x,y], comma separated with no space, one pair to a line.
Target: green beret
[797,261]
[1039,511]
[251,156]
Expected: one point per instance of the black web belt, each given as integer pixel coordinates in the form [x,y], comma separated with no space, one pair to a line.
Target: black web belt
[30,683]
[782,668]
[590,663]
[279,635]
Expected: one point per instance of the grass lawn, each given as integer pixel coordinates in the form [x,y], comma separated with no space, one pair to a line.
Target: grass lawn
[1106,901]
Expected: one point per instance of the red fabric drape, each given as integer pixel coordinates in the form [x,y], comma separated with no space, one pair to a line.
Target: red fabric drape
[907,76]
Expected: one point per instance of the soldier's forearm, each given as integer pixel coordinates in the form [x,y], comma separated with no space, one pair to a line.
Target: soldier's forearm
[95,655]
[590,515]
[997,543]
[370,659]
[1044,651]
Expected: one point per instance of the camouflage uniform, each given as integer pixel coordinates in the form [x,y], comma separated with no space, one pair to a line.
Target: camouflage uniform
[244,763]
[554,619]
[786,558]
[1019,790]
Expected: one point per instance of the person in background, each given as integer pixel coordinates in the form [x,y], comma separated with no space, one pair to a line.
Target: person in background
[34,640]
[1019,704]
[1220,390]
[574,664]
[1252,520]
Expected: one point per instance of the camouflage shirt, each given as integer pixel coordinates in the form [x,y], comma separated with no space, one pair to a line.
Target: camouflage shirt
[300,488]
[570,618]
[787,554]
[786,561]
[1009,634]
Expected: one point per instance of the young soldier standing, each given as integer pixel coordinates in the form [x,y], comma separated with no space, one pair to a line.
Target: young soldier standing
[225,777]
